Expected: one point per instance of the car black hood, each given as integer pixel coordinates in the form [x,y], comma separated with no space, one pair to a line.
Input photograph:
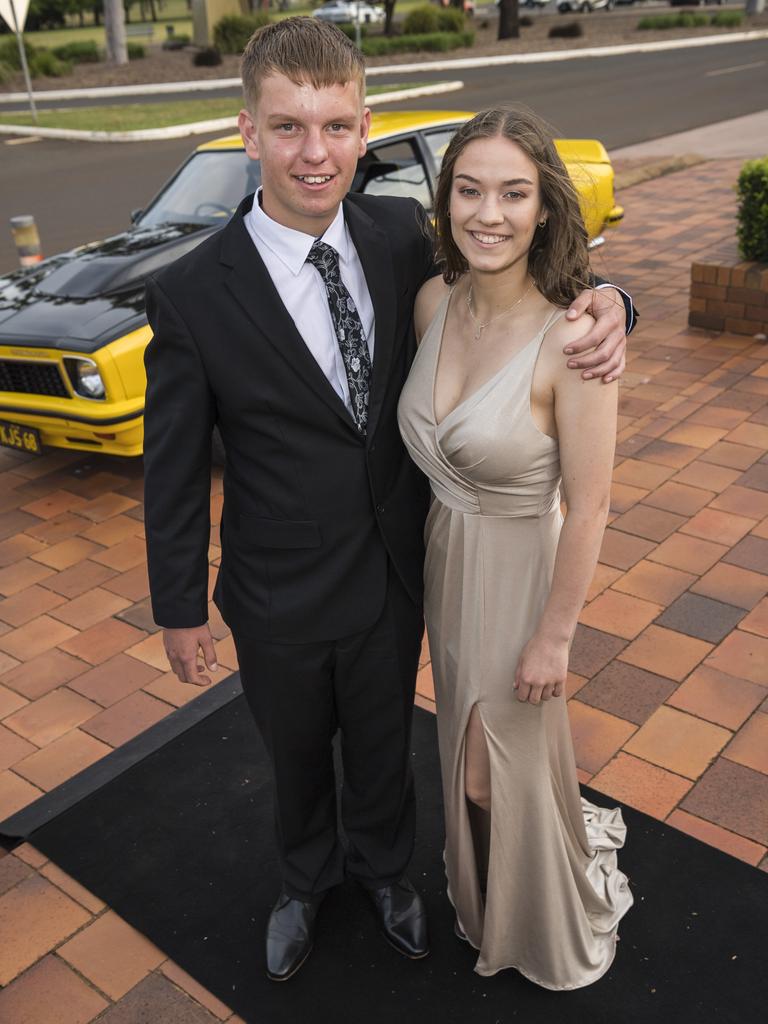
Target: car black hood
[84,299]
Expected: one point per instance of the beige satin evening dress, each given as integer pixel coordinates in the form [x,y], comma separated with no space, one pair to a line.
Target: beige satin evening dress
[554,893]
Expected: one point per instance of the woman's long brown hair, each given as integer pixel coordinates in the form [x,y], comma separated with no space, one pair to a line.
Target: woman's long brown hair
[558,260]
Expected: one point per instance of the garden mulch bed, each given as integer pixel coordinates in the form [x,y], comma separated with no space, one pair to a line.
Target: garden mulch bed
[600,29]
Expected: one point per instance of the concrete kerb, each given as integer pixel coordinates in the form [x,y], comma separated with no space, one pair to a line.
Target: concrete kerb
[179,131]
[537,57]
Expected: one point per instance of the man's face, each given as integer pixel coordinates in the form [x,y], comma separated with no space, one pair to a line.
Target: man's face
[308,141]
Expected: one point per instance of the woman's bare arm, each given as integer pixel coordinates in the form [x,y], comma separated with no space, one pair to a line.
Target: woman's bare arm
[585,415]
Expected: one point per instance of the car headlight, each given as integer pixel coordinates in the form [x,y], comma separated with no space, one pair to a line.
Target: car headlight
[85,378]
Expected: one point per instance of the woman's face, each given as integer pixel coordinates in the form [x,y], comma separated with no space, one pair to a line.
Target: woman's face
[495,204]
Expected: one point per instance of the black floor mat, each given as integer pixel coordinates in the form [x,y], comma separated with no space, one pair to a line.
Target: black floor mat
[180,845]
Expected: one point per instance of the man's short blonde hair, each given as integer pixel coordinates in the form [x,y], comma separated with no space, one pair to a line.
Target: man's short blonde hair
[306,50]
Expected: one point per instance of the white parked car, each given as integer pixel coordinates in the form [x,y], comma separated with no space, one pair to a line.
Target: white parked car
[342,12]
[585,6]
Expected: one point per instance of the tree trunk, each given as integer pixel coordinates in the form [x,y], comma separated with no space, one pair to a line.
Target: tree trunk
[114,25]
[389,13]
[509,20]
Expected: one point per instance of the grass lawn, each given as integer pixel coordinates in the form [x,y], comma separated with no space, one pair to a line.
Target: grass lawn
[137,116]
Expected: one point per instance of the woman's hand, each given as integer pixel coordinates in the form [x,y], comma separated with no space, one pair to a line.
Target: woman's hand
[542,670]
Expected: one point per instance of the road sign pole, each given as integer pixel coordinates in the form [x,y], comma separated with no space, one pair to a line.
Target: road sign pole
[24,65]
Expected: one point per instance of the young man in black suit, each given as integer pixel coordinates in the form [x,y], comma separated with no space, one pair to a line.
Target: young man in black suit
[291,330]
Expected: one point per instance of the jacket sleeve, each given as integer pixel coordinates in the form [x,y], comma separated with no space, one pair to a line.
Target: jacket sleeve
[179,416]
[630,313]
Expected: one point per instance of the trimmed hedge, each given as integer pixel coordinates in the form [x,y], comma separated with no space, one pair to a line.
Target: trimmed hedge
[84,52]
[351,33]
[436,42]
[136,51]
[420,21]
[682,20]
[727,19]
[450,19]
[752,223]
[41,62]
[233,31]
[6,71]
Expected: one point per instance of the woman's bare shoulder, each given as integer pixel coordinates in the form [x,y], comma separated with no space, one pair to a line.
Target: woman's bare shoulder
[429,297]
[559,335]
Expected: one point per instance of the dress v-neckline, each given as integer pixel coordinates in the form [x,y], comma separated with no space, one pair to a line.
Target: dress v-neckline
[491,380]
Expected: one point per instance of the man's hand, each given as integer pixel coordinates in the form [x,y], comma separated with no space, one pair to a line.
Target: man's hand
[182,645]
[607,337]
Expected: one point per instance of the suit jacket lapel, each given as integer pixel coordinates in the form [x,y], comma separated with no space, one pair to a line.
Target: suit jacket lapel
[250,283]
[373,249]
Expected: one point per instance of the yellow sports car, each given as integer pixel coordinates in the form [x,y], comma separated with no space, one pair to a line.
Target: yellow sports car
[73,329]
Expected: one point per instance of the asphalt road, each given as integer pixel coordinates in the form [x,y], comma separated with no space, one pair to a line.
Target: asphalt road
[81,191]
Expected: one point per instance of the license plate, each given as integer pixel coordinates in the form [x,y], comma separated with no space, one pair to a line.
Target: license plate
[23,439]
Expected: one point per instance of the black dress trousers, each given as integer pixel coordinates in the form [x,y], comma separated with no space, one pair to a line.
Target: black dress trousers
[363,685]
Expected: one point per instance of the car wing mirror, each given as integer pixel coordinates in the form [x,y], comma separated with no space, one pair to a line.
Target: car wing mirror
[135,214]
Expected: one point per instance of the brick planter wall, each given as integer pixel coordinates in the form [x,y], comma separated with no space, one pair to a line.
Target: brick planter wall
[728,293]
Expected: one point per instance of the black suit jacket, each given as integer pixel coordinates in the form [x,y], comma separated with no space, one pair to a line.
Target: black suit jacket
[312,511]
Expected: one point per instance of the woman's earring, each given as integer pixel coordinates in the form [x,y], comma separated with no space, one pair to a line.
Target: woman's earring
[543,223]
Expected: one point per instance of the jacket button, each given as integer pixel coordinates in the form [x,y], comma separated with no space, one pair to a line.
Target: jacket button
[380,509]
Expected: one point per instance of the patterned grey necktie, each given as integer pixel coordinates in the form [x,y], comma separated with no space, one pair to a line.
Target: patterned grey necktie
[348,328]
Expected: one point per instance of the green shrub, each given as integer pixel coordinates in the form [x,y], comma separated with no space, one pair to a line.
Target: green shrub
[450,19]
[571,30]
[176,42]
[209,57]
[727,19]
[9,52]
[232,32]
[44,62]
[525,21]
[683,20]
[136,51]
[83,52]
[420,21]
[350,32]
[752,224]
[6,72]
[438,42]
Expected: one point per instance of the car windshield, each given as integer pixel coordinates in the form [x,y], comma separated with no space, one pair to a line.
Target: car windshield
[207,190]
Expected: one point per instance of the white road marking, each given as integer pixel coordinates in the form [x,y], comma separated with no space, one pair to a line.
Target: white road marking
[737,67]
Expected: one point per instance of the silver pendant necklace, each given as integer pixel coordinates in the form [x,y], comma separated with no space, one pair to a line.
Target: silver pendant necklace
[479,325]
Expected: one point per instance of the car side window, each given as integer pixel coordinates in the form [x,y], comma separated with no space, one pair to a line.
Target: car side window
[394,169]
[437,143]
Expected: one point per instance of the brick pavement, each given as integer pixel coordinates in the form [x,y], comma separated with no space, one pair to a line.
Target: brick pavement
[668,690]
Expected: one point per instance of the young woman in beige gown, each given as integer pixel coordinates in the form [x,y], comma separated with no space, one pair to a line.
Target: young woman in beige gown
[500,425]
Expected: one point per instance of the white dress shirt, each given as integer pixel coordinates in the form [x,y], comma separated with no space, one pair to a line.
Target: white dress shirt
[300,286]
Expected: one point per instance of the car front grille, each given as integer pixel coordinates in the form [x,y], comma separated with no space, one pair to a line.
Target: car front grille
[30,378]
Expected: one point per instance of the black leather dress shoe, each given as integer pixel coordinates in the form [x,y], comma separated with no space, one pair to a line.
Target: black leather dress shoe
[402,918]
[290,932]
